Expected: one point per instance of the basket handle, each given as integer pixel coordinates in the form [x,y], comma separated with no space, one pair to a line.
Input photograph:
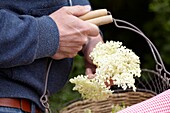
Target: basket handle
[102,16]
[157,57]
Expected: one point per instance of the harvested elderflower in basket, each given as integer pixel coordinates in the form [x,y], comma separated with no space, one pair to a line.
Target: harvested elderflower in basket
[114,63]
[120,67]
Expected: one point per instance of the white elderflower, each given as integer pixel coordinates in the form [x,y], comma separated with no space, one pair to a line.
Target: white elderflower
[114,62]
[91,88]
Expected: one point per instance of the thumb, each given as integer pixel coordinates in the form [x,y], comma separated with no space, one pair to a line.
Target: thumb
[79,10]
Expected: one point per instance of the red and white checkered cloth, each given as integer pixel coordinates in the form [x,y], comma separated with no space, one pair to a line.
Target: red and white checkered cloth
[157,104]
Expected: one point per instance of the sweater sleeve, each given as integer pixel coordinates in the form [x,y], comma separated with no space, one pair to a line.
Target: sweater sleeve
[81,2]
[24,38]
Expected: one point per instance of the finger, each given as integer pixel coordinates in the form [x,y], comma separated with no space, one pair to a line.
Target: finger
[74,41]
[92,30]
[78,10]
[77,44]
[92,41]
[62,55]
[91,76]
[90,72]
[69,49]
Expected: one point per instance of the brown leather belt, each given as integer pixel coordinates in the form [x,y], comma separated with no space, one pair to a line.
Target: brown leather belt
[22,104]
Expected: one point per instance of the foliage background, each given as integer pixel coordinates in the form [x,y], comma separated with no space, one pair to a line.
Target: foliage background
[151,16]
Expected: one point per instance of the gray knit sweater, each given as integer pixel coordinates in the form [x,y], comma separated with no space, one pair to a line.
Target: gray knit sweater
[28,36]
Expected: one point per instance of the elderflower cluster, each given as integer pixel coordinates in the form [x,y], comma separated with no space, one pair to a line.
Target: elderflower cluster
[114,62]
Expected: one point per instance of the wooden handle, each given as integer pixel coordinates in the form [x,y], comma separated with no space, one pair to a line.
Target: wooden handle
[98,17]
[94,14]
[101,20]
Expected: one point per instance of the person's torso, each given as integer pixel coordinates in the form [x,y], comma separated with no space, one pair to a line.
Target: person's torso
[27,81]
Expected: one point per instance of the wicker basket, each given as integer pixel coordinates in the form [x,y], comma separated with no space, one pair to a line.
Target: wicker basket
[127,98]
[151,83]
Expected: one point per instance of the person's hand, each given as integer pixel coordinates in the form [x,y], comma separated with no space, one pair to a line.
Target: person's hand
[72,30]
[87,49]
[90,67]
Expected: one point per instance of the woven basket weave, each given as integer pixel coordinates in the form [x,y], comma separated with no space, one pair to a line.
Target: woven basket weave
[126,98]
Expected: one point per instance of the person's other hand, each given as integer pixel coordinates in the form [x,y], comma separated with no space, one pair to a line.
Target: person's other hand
[72,30]
[87,49]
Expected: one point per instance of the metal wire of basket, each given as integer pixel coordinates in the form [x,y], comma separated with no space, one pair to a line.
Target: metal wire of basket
[151,83]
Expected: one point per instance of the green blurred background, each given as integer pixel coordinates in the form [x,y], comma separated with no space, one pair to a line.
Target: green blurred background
[150,16]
